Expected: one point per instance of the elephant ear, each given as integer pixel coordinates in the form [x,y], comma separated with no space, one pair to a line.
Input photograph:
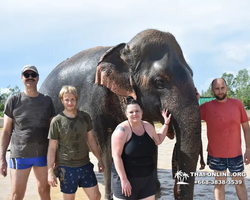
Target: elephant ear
[114,73]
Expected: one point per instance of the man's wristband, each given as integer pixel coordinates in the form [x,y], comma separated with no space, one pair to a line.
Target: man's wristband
[166,124]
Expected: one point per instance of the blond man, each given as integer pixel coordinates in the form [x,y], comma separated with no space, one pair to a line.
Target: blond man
[70,138]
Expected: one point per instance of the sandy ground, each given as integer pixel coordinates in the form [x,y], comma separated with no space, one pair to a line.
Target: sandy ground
[201,192]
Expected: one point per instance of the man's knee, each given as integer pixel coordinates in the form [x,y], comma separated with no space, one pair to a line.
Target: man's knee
[44,191]
[15,195]
[241,190]
[220,187]
[239,182]
[17,191]
[98,195]
[241,186]
[95,196]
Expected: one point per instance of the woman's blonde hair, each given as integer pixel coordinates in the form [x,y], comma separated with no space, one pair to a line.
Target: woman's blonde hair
[68,89]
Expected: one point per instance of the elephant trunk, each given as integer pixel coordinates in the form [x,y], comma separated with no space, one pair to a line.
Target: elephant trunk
[187,125]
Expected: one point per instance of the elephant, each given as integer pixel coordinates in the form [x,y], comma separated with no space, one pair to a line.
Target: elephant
[152,69]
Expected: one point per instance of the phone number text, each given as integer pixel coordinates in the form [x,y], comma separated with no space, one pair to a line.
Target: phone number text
[218,182]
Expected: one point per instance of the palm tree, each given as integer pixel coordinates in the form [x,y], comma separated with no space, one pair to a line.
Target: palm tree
[178,174]
[185,176]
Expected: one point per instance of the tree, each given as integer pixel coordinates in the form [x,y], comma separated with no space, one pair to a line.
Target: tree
[246,97]
[207,93]
[4,96]
[242,87]
[230,80]
[1,109]
[241,82]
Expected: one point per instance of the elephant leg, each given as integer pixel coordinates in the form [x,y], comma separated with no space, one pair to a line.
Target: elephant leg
[103,132]
[174,170]
[107,160]
[157,182]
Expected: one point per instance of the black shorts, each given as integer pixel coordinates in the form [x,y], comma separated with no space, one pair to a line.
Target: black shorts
[142,187]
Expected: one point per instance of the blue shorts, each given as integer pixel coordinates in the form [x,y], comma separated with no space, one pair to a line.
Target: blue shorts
[221,164]
[73,177]
[25,163]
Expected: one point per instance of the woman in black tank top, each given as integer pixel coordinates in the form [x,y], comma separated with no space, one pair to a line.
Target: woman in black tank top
[133,146]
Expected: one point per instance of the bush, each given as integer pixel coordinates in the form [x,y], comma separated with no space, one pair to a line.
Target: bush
[1,109]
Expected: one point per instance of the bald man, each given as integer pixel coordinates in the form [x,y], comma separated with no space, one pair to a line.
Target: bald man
[224,118]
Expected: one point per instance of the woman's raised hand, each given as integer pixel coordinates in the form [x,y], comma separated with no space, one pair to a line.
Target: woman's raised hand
[166,117]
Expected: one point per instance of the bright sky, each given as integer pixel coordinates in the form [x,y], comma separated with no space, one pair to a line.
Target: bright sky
[214,35]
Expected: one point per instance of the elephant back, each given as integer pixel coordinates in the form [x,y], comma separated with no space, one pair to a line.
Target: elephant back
[78,71]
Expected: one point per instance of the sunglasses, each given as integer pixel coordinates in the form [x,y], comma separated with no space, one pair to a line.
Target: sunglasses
[27,75]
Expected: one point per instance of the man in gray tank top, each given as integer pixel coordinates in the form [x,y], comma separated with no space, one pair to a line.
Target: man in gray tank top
[27,117]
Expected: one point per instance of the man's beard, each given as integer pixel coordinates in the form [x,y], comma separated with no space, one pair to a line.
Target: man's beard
[220,98]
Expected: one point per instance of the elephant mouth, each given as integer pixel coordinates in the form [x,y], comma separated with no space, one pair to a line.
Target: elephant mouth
[170,134]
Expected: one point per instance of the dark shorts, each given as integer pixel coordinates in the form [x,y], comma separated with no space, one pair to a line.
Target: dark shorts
[141,187]
[25,163]
[235,164]
[73,177]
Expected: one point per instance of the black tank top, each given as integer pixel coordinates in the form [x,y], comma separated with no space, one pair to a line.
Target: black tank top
[138,155]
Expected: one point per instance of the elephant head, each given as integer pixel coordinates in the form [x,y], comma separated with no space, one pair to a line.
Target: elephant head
[152,69]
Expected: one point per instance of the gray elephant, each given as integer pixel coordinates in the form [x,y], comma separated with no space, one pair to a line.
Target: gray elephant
[150,68]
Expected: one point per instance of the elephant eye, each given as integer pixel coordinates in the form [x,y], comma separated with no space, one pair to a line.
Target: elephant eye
[159,82]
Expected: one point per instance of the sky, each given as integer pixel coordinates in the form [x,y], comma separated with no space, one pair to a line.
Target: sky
[214,34]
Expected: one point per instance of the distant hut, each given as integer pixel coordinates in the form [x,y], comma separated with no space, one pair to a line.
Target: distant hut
[205,99]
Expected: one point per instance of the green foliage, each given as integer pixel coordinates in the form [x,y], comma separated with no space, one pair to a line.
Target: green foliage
[207,93]
[1,109]
[230,80]
[4,96]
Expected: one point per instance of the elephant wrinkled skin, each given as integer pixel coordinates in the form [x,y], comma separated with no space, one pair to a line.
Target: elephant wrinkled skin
[152,69]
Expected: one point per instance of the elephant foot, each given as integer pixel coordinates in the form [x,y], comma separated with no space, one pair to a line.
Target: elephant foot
[158,190]
[158,195]
[109,196]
